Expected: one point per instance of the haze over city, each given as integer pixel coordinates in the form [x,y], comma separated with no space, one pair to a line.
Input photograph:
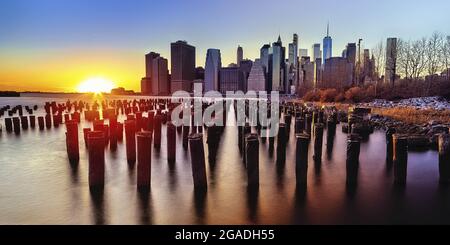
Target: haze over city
[51,45]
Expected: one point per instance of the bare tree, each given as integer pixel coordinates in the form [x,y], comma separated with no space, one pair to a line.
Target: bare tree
[404,58]
[433,52]
[379,54]
[418,58]
[445,56]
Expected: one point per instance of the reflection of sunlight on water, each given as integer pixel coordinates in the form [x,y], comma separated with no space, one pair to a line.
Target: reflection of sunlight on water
[39,186]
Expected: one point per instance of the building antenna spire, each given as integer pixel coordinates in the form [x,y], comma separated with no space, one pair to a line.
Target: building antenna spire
[328,28]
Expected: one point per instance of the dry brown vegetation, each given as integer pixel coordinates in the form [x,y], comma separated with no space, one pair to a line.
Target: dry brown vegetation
[413,116]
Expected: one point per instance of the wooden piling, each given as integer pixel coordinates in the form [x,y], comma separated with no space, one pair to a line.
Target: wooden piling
[198,161]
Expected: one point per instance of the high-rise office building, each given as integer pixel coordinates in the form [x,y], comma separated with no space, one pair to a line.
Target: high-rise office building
[146,82]
[391,61]
[337,73]
[240,55]
[316,52]
[277,67]
[160,77]
[182,66]
[327,46]
[264,56]
[293,51]
[245,67]
[303,52]
[212,68]
[257,78]
[351,53]
[231,80]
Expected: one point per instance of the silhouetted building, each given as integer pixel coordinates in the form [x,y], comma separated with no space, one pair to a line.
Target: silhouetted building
[240,55]
[327,46]
[257,78]
[199,73]
[264,56]
[146,82]
[391,61]
[316,52]
[121,91]
[337,73]
[231,79]
[160,77]
[292,67]
[303,52]
[182,66]
[212,68]
[309,73]
[277,67]
[245,67]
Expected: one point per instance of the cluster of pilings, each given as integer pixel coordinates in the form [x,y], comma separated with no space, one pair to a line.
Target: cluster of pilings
[21,122]
[358,122]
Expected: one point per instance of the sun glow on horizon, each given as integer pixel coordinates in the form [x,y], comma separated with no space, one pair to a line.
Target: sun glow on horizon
[96,85]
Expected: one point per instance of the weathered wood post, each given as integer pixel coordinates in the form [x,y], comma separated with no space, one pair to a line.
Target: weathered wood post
[157,131]
[353,150]
[400,143]
[281,144]
[198,161]
[32,122]
[96,145]
[301,165]
[144,172]
[318,141]
[41,123]
[389,144]
[171,142]
[130,130]
[16,123]
[444,158]
[252,156]
[73,148]
[8,125]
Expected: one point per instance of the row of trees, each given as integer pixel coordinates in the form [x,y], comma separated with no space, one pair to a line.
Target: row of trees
[417,58]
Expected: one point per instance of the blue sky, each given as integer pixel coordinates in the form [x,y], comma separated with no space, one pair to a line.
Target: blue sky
[40,29]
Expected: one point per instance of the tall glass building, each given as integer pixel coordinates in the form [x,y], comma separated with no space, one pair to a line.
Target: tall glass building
[327,46]
[277,67]
[212,68]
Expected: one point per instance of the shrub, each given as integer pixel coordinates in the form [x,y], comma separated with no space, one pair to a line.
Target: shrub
[355,94]
[328,95]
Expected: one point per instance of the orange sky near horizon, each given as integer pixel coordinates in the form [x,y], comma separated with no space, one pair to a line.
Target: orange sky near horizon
[63,71]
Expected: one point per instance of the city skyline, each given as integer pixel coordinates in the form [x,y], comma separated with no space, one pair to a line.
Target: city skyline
[42,47]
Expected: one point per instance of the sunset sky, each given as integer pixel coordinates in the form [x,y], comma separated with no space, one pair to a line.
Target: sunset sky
[54,45]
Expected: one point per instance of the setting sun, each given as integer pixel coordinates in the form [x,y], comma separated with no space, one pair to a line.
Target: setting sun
[96,85]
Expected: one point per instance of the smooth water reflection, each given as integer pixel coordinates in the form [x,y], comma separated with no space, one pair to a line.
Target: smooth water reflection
[38,185]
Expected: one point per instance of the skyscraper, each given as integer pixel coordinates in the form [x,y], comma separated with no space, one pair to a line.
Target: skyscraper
[240,55]
[303,52]
[257,77]
[146,82]
[351,57]
[231,79]
[337,73]
[182,66]
[245,67]
[317,54]
[327,46]
[391,61]
[293,51]
[277,66]
[160,73]
[264,56]
[212,68]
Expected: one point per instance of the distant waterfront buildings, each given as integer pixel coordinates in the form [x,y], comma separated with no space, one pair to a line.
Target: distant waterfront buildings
[182,66]
[391,61]
[212,69]
[264,56]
